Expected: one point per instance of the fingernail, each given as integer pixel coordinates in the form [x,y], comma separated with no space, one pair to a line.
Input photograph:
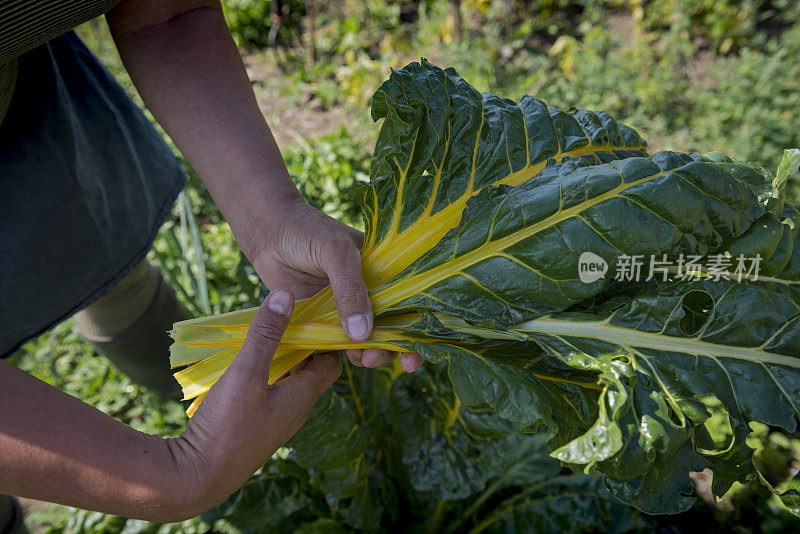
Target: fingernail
[409,362]
[369,359]
[357,327]
[279,301]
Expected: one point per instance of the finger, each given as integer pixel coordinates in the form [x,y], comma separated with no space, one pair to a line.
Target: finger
[377,357]
[302,365]
[311,381]
[355,355]
[410,361]
[264,334]
[294,395]
[349,292]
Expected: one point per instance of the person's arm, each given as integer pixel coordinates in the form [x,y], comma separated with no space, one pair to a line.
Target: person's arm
[188,71]
[55,448]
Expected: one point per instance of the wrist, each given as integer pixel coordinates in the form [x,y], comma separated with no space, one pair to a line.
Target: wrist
[249,198]
[180,488]
[259,224]
[276,206]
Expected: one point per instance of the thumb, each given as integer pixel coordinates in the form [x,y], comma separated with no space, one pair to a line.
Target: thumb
[349,291]
[264,334]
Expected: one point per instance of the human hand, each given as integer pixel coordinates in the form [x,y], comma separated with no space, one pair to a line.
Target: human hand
[242,421]
[305,250]
[204,99]
[55,448]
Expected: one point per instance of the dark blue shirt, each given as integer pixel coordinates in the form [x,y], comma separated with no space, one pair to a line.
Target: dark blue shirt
[85,182]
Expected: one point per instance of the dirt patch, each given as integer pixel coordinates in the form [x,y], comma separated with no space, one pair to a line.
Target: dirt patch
[699,66]
[290,112]
[621,24]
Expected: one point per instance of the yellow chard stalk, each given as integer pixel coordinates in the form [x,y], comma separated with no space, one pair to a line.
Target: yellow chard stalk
[441,145]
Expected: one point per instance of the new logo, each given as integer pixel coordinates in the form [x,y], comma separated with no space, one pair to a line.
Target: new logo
[591,267]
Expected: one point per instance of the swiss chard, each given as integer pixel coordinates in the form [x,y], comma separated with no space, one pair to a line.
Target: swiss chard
[477,214]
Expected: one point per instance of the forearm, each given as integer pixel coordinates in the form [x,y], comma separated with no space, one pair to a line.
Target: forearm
[55,448]
[187,69]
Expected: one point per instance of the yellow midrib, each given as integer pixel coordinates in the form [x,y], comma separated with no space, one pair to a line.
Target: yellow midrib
[309,335]
[387,297]
[397,252]
[654,340]
[391,256]
[299,340]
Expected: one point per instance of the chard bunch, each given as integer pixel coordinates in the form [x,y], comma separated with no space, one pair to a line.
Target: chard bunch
[480,212]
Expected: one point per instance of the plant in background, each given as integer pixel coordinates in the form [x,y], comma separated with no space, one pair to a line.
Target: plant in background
[326,169]
[751,107]
[251,22]
[477,212]
[604,70]
[385,450]
[725,25]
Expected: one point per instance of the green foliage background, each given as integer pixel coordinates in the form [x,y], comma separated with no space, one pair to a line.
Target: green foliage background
[689,75]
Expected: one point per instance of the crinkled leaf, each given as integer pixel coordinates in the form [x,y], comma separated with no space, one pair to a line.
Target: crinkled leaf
[656,362]
[563,504]
[788,167]
[515,254]
[276,499]
[774,239]
[442,141]
[331,446]
[477,212]
[449,450]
